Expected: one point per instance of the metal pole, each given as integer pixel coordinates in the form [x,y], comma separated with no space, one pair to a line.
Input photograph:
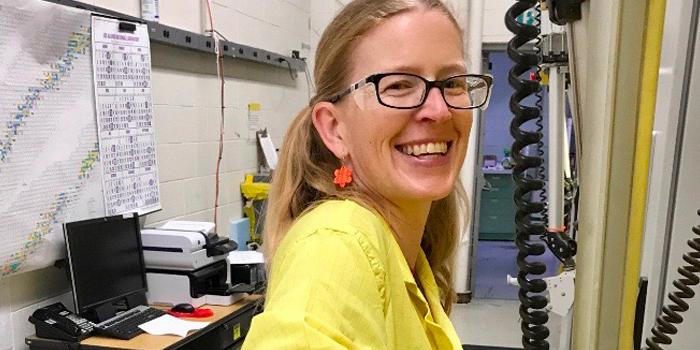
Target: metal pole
[470,170]
[555,183]
[557,160]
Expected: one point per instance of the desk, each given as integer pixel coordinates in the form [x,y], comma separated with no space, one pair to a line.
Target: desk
[228,328]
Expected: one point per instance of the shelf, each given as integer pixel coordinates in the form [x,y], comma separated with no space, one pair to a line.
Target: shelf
[497,171]
[172,36]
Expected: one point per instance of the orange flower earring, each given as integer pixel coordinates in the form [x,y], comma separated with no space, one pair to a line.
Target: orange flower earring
[343,176]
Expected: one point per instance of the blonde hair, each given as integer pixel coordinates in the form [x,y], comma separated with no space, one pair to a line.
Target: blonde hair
[303,177]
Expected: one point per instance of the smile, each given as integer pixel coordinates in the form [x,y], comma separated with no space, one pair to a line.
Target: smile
[422,149]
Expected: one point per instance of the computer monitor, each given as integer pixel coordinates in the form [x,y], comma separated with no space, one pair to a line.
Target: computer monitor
[106,265]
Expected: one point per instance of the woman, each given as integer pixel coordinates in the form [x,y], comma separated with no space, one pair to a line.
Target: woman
[363,216]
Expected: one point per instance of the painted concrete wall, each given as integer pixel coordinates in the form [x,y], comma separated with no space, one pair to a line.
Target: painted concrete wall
[186,110]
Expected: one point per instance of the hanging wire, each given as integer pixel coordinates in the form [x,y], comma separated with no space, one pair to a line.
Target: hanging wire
[222,82]
[310,87]
[292,73]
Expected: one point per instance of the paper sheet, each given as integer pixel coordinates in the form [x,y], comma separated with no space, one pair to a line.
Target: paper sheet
[254,120]
[168,324]
[245,257]
[269,151]
[122,72]
[197,226]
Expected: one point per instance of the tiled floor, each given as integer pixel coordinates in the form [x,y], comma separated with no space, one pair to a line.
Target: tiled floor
[494,322]
[494,261]
[492,319]
[483,347]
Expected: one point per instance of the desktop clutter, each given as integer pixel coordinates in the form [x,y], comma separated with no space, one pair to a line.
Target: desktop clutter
[127,281]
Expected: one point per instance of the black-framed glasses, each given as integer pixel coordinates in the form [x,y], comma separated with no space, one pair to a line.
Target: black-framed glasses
[407,91]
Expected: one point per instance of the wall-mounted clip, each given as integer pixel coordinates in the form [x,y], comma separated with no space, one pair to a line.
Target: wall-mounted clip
[127,27]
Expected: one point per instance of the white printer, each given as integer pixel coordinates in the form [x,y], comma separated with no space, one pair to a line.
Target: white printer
[177,248]
[186,263]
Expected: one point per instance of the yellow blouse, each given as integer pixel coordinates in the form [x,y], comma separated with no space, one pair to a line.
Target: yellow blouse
[340,281]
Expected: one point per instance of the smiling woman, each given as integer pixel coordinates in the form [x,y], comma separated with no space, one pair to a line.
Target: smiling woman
[365,261]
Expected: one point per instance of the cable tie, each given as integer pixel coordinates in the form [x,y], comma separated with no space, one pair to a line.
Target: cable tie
[560,229]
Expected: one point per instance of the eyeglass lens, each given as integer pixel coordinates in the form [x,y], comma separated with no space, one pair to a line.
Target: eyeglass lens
[399,90]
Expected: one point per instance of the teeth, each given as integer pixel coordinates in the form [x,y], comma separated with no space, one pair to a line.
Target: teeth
[426,148]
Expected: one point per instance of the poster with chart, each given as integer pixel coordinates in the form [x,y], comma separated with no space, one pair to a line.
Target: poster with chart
[50,169]
[122,72]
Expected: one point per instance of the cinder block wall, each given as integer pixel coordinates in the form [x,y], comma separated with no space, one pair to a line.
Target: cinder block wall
[186,110]
[186,100]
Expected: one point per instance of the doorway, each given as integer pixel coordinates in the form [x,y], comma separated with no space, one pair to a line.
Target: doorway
[492,318]
[495,250]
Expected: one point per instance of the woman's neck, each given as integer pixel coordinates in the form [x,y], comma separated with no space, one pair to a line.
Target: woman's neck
[408,223]
[407,220]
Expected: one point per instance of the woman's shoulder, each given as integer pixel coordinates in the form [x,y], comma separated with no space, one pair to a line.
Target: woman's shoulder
[341,217]
[336,232]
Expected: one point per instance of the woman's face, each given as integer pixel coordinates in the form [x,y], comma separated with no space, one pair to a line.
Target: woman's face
[382,142]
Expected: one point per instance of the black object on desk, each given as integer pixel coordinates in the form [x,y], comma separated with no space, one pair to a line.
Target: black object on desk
[56,322]
[108,274]
[252,275]
[106,264]
[227,332]
[126,325]
[183,308]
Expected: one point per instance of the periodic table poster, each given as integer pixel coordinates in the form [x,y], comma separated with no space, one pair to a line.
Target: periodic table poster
[122,73]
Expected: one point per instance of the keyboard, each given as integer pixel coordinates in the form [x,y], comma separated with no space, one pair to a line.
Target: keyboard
[126,325]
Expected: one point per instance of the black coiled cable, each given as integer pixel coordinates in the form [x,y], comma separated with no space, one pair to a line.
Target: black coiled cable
[540,120]
[532,301]
[671,313]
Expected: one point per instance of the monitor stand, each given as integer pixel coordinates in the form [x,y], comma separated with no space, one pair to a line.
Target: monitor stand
[101,312]
[108,310]
[136,299]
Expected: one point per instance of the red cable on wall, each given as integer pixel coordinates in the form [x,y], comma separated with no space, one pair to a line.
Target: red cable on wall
[220,74]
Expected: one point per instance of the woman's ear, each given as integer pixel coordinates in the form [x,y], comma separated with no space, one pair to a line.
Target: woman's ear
[325,117]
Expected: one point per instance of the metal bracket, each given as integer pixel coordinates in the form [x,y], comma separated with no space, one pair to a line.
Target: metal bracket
[562,12]
[182,38]
[560,289]
[554,49]
[172,36]
[561,292]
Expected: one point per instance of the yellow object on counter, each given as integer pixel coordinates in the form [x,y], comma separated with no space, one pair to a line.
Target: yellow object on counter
[339,280]
[254,190]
